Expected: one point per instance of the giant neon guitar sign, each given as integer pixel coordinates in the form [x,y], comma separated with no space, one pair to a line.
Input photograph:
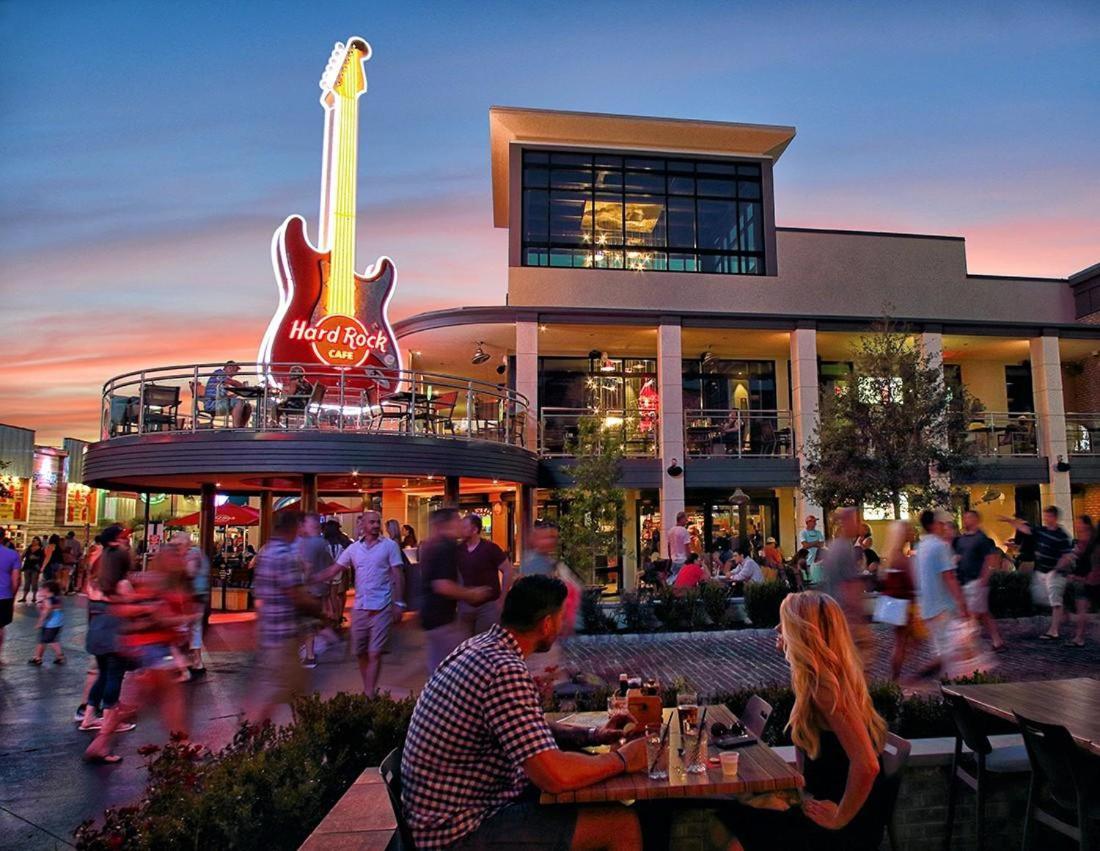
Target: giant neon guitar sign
[328,313]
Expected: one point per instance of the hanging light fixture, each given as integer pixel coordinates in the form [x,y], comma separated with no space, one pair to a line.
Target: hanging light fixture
[480,355]
[991,495]
[739,497]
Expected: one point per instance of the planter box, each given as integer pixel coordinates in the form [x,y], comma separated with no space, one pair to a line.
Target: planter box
[236,599]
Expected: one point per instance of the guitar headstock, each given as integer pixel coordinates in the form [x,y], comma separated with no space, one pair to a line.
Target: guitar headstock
[344,74]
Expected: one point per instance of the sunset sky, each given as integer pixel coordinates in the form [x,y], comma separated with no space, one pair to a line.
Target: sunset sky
[149,149]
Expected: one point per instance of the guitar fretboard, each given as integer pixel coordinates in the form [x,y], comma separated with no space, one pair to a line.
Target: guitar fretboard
[341,284]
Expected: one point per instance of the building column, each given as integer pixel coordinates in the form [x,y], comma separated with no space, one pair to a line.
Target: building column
[450,491]
[931,345]
[267,515]
[805,390]
[309,492]
[395,506]
[1046,378]
[525,518]
[206,519]
[527,376]
[670,419]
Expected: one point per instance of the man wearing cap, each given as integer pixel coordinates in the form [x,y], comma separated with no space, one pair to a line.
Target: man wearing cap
[812,540]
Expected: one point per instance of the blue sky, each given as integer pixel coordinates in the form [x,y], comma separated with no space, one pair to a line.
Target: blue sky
[148,150]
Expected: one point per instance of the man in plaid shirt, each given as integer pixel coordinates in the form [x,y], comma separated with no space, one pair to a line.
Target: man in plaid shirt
[478,741]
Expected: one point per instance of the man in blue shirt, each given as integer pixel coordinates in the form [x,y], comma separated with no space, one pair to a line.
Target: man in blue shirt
[938,591]
[9,583]
[216,399]
[812,540]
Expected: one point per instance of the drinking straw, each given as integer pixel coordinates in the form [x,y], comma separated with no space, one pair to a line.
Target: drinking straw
[661,746]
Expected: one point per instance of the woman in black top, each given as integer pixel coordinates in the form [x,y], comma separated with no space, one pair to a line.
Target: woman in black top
[32,567]
[839,737]
[54,559]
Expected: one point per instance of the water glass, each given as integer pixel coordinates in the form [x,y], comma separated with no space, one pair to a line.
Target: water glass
[695,743]
[656,753]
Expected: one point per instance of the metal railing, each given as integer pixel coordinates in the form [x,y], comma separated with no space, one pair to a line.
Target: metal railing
[636,430]
[1083,434]
[291,397]
[999,434]
[738,433]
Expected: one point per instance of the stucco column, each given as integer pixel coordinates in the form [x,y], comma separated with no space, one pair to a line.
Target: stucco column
[206,519]
[670,419]
[309,492]
[524,517]
[267,515]
[1046,378]
[451,486]
[804,409]
[527,376]
[931,344]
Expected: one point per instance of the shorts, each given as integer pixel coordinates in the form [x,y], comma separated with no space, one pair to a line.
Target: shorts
[49,634]
[279,675]
[524,825]
[6,607]
[370,630]
[1049,588]
[977,597]
[940,634]
[222,407]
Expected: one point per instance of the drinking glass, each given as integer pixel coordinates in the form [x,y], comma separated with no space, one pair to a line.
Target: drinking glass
[687,705]
[695,743]
[656,756]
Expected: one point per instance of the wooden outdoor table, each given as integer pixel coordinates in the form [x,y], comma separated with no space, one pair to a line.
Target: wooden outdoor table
[760,769]
[1074,704]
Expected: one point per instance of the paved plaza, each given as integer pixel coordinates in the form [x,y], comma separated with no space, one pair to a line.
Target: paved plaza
[47,790]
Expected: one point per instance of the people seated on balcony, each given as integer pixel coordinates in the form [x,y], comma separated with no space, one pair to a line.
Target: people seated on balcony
[732,429]
[691,575]
[216,397]
[299,392]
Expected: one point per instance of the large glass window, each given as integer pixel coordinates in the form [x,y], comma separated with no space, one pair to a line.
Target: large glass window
[726,385]
[605,211]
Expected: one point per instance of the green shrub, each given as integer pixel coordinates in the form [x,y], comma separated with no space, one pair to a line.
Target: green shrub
[637,612]
[762,601]
[594,620]
[267,789]
[1010,594]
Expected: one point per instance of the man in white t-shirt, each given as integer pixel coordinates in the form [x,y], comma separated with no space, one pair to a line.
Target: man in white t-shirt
[679,542]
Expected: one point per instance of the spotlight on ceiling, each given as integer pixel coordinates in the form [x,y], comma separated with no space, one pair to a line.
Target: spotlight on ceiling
[502,367]
[480,355]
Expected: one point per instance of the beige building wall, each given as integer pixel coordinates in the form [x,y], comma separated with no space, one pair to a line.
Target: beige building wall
[986,382]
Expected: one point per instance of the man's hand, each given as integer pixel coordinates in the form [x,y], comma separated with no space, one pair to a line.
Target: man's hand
[635,756]
[613,730]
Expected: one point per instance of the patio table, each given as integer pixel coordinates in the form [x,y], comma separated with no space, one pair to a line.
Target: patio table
[760,770]
[1074,704]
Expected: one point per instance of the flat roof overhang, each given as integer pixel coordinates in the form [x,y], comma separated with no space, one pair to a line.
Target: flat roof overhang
[249,462]
[509,124]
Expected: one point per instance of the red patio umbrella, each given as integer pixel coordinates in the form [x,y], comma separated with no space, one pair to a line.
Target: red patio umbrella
[323,507]
[228,514]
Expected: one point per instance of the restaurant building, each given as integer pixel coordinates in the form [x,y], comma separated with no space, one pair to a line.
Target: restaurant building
[649,285]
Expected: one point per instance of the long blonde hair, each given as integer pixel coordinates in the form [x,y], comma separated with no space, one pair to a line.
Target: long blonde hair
[826,671]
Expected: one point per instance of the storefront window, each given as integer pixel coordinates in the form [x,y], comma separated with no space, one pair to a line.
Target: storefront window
[726,385]
[605,211]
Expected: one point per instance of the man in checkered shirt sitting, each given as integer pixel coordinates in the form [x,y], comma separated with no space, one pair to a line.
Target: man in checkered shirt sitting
[479,749]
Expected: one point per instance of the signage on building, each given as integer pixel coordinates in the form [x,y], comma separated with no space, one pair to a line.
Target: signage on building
[80,505]
[328,314]
[14,499]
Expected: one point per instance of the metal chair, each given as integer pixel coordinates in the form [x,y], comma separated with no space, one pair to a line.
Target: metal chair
[895,756]
[310,410]
[1070,779]
[756,715]
[971,730]
[390,769]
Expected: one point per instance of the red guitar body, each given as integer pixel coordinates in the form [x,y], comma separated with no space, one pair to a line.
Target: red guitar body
[301,272]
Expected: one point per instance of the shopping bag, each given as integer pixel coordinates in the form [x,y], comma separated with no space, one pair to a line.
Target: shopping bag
[891,610]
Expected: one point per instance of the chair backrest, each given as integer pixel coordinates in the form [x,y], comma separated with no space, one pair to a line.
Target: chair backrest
[1054,756]
[895,755]
[968,724]
[159,396]
[756,715]
[390,769]
[445,402]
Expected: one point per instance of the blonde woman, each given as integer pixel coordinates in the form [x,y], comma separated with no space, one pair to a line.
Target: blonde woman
[839,737]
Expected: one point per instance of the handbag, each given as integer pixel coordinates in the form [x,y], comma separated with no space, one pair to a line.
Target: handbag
[891,610]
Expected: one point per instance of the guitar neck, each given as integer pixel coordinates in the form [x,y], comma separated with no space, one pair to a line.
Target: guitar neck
[340,293]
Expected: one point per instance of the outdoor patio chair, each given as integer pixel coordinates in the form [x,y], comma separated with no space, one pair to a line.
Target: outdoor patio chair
[895,756]
[971,730]
[308,414]
[756,715]
[390,769]
[161,407]
[203,418]
[1063,784]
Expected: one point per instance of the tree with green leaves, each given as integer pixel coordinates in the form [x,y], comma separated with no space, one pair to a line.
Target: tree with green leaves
[594,504]
[895,430]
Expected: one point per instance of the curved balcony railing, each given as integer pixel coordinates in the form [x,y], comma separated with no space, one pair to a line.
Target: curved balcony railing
[290,397]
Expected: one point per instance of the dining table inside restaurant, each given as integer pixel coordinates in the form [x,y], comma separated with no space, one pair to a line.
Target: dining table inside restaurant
[760,769]
[1073,704]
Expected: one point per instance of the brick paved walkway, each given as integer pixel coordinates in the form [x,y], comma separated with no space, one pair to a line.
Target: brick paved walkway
[725,661]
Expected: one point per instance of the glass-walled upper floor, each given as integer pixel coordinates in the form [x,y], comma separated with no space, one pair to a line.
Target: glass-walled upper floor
[608,211]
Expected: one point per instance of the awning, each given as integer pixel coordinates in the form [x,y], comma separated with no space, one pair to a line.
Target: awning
[225,515]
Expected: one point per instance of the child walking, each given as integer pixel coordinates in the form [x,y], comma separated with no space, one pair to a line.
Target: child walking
[51,617]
